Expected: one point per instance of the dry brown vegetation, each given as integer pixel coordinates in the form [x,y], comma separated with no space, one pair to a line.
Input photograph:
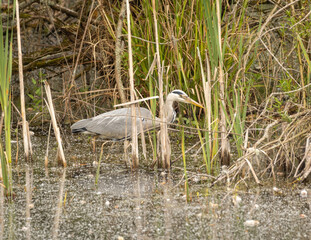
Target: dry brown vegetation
[266,69]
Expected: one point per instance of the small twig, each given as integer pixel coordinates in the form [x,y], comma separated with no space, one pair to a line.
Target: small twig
[252,170]
[277,60]
[266,133]
[272,14]
[180,156]
[136,101]
[62,9]
[46,158]
[307,15]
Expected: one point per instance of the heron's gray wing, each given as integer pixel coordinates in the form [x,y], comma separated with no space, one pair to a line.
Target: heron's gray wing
[117,124]
[111,125]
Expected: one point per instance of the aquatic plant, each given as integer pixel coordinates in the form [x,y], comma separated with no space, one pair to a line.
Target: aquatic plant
[6,40]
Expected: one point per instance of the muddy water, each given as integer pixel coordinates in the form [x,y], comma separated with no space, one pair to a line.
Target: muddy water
[54,203]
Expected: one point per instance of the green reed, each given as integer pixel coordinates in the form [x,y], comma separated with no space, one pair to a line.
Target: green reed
[228,53]
[6,40]
[215,50]
[184,27]
[181,30]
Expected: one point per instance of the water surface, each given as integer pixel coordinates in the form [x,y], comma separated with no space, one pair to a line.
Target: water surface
[53,203]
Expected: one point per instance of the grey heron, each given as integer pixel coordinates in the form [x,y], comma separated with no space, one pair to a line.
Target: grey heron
[116,124]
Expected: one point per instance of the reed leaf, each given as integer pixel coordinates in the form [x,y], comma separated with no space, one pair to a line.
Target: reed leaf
[6,40]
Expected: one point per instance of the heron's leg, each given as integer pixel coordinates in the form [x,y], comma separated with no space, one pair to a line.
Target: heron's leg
[156,161]
[94,144]
[127,161]
[158,148]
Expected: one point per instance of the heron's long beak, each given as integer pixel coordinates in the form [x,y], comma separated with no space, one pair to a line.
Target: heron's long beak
[189,100]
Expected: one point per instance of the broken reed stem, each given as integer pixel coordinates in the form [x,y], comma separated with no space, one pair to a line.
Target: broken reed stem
[46,158]
[165,147]
[135,159]
[50,106]
[118,53]
[26,138]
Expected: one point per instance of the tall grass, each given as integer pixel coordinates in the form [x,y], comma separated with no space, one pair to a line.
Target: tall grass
[218,69]
[241,63]
[240,66]
[5,99]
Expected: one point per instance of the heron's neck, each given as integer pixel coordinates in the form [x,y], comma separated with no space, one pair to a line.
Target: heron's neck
[169,110]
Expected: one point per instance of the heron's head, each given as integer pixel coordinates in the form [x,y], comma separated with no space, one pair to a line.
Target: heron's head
[181,96]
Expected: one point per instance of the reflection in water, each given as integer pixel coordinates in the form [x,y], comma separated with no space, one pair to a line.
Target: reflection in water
[29,205]
[168,206]
[10,228]
[142,205]
[1,212]
[59,205]
[143,187]
[138,199]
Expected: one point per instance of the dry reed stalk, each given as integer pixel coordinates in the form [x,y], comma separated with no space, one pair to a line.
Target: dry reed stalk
[307,160]
[136,101]
[225,148]
[207,94]
[46,158]
[135,159]
[50,106]
[118,53]
[165,144]
[208,98]
[26,138]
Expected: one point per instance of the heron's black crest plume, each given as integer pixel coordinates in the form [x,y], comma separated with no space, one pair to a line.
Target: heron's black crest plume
[179,92]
